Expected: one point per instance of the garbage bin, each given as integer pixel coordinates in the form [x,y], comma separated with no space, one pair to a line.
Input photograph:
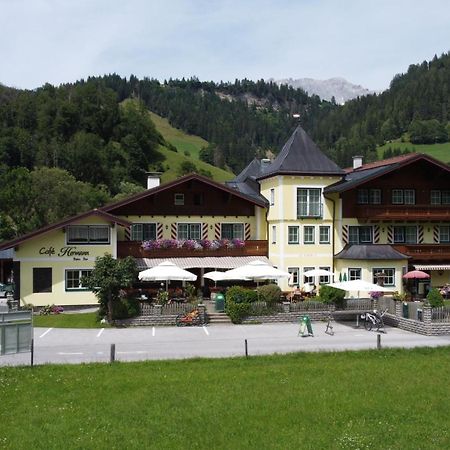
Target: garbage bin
[220,302]
[420,314]
[405,310]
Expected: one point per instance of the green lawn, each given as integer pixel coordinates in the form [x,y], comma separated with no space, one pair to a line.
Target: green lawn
[388,399]
[84,320]
[181,140]
[438,151]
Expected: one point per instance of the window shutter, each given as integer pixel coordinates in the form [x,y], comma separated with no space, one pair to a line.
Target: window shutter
[376,234]
[159,230]
[217,231]
[173,231]
[420,234]
[204,230]
[247,231]
[390,234]
[345,234]
[127,233]
[436,234]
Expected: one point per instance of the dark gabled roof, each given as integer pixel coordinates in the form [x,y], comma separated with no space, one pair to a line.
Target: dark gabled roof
[301,156]
[370,252]
[177,182]
[63,223]
[246,183]
[370,171]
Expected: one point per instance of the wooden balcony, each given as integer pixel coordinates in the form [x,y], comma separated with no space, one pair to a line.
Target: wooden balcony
[421,213]
[425,252]
[133,248]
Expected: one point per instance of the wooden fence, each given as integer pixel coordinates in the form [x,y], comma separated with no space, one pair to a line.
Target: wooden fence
[441,314]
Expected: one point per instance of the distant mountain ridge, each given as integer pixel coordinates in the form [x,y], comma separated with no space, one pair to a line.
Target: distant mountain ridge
[337,87]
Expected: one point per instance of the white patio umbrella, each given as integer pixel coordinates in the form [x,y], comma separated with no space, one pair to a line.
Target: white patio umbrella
[318,273]
[360,286]
[256,270]
[216,276]
[166,271]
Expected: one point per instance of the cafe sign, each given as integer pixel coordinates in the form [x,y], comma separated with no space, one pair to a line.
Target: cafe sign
[67,251]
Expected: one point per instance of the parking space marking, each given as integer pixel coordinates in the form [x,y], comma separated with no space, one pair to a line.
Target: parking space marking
[205,330]
[100,332]
[135,352]
[45,332]
[70,353]
[153,331]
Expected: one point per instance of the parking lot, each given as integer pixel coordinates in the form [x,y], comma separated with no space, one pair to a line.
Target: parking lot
[59,345]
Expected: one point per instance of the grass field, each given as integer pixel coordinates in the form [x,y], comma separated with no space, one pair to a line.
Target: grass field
[388,399]
[438,151]
[84,320]
[181,140]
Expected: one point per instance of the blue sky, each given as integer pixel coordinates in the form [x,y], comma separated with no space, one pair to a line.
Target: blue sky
[366,42]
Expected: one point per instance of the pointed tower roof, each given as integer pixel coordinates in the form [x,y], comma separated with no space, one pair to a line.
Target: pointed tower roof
[301,156]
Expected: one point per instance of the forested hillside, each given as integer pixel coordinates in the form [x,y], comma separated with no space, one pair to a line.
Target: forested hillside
[416,107]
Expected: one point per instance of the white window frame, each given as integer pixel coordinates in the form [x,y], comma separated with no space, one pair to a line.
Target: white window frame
[389,280]
[272,196]
[307,228]
[409,196]
[325,279]
[189,230]
[178,199]
[362,196]
[375,196]
[81,273]
[356,229]
[296,276]
[89,239]
[444,234]
[274,234]
[295,235]
[354,273]
[308,279]
[397,196]
[309,208]
[402,234]
[328,233]
[237,231]
[137,232]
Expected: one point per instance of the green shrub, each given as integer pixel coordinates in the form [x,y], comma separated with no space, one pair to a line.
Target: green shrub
[237,311]
[126,308]
[434,298]
[238,294]
[269,293]
[330,295]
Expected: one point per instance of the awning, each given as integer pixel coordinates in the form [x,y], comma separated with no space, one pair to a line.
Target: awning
[432,266]
[207,262]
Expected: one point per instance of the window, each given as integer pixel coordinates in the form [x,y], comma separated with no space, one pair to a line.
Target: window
[397,196]
[403,197]
[189,231]
[362,197]
[88,234]
[375,196]
[308,235]
[308,279]
[325,279]
[198,198]
[359,235]
[73,278]
[294,278]
[372,196]
[42,279]
[440,197]
[354,274]
[274,234]
[324,235]
[178,199]
[444,234]
[293,235]
[387,275]
[232,231]
[410,197]
[308,202]
[143,231]
[407,235]
[272,197]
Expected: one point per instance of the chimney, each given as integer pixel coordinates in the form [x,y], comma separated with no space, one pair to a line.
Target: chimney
[265,162]
[153,179]
[357,162]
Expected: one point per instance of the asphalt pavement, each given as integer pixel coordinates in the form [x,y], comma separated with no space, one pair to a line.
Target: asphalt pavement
[74,346]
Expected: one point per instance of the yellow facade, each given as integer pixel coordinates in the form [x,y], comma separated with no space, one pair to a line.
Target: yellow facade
[51,250]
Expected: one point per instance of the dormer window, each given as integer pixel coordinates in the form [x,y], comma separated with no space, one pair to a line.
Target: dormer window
[178,199]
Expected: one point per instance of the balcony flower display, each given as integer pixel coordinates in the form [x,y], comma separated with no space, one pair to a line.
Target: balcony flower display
[192,244]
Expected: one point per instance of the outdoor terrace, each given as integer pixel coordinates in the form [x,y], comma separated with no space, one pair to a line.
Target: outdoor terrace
[425,252]
[376,213]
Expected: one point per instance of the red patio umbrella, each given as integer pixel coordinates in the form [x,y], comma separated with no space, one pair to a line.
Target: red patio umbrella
[416,274]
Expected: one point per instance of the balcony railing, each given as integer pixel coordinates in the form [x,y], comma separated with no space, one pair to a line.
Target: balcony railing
[402,212]
[134,248]
[425,252]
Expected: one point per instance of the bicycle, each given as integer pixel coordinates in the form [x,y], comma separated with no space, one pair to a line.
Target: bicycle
[374,319]
[190,319]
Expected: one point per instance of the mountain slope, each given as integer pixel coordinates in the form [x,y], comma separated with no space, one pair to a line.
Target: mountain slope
[339,88]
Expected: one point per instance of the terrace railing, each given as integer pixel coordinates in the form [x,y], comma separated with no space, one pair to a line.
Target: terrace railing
[441,314]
